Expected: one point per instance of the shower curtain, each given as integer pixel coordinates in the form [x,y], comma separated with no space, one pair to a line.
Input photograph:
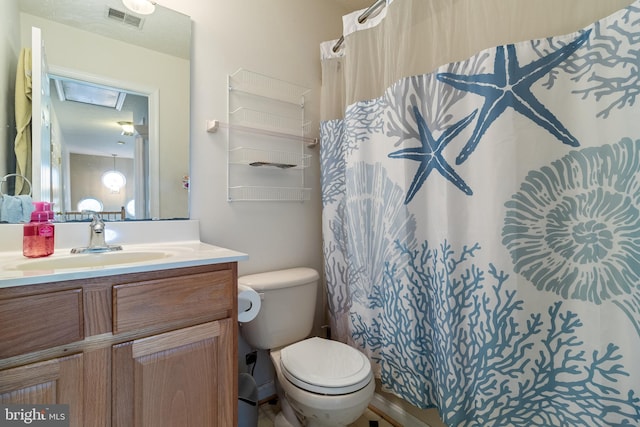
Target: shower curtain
[481,206]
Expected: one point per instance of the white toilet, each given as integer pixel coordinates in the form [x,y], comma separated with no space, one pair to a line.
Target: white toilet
[319,382]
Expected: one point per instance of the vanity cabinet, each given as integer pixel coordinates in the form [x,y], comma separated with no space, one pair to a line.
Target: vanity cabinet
[154,349]
[172,379]
[48,382]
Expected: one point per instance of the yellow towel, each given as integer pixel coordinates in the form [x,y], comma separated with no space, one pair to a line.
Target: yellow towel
[22,145]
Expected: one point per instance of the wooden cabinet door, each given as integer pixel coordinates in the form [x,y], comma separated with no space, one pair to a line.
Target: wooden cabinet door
[181,378]
[55,381]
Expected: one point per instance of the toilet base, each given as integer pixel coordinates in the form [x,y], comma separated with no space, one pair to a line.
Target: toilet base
[287,416]
[281,421]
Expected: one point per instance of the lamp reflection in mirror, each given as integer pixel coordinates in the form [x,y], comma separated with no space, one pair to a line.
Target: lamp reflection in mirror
[141,7]
[113,179]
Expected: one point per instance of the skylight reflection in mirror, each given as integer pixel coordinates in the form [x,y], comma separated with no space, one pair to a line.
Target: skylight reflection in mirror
[89,94]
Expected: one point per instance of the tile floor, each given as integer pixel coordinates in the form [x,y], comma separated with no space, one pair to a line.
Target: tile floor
[267,412]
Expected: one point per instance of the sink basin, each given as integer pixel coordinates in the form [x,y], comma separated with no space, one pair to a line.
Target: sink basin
[91,260]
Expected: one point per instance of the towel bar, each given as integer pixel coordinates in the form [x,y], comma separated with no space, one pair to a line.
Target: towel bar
[4,179]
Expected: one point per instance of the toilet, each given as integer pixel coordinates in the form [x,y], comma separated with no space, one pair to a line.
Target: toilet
[319,382]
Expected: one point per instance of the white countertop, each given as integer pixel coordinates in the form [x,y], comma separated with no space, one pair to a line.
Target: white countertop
[176,244]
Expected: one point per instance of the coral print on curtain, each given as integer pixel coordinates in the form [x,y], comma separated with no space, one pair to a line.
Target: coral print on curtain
[482,229]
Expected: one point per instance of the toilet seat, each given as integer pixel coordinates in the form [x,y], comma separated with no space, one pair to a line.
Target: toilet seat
[323,366]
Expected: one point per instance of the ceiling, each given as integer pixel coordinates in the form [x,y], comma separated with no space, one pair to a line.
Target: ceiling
[91,15]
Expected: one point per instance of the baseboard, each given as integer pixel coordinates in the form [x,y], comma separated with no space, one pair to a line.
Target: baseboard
[396,412]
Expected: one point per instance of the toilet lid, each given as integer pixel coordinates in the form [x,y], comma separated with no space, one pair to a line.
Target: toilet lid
[323,366]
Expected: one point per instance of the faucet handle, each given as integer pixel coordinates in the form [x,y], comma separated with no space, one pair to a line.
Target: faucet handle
[95,216]
[97,224]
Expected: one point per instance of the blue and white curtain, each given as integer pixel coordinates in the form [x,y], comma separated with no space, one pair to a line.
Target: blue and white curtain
[481,217]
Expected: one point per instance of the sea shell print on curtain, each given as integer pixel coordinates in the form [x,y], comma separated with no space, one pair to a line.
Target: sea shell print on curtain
[482,232]
[574,227]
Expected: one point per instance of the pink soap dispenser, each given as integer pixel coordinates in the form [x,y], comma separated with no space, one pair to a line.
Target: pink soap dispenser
[39,235]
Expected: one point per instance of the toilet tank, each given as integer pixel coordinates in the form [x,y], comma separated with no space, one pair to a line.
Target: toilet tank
[288,305]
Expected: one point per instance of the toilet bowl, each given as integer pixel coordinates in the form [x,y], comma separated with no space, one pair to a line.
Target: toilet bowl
[319,382]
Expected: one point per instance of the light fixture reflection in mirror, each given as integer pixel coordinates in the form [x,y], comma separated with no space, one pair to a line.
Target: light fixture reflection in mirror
[127,129]
[113,179]
[141,7]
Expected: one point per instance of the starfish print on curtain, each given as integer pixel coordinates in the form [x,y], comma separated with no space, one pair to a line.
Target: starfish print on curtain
[509,86]
[429,154]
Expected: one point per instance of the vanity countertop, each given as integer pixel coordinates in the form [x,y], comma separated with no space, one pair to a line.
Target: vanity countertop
[146,246]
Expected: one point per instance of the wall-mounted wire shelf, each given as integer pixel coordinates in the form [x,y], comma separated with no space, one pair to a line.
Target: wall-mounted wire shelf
[268,121]
[311,142]
[270,166]
[269,194]
[265,86]
[277,159]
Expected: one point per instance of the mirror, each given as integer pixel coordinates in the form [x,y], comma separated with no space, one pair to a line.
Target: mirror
[145,59]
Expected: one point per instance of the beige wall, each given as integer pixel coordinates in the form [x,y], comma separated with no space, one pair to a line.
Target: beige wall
[279,38]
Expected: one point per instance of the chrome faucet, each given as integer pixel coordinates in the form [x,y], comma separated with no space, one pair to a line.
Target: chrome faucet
[96,238]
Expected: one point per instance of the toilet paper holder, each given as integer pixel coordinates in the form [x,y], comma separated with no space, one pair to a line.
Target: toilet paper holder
[249,302]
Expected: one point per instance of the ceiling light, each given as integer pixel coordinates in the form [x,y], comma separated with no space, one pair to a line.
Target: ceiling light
[141,7]
[127,128]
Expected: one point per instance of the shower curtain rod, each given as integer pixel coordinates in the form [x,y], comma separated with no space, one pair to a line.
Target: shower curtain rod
[361,19]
